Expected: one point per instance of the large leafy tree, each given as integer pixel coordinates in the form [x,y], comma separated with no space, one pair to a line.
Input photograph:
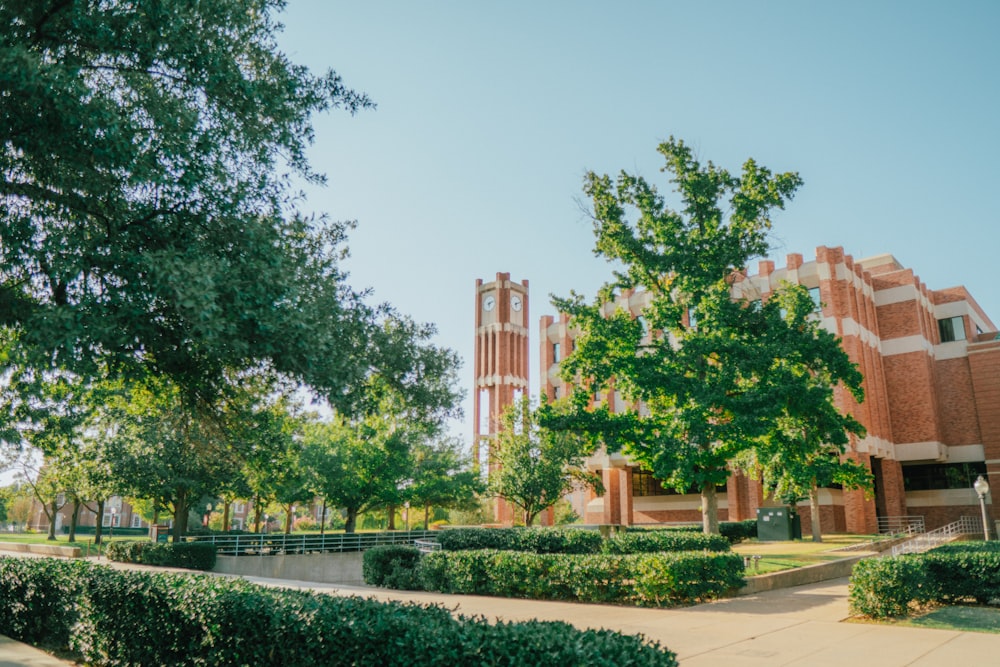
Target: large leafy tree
[704,373]
[533,467]
[806,449]
[146,156]
[443,477]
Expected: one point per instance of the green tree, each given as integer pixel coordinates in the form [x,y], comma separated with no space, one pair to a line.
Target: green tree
[146,153]
[697,366]
[534,467]
[442,477]
[805,450]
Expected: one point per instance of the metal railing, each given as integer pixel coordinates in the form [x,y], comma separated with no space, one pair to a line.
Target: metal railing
[900,525]
[427,546]
[256,544]
[967,525]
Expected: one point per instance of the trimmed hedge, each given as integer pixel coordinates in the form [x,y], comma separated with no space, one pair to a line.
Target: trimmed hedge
[192,555]
[535,540]
[950,574]
[178,619]
[656,580]
[652,541]
[734,531]
[392,566]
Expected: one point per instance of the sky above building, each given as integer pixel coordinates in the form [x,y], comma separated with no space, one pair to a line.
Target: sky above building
[490,114]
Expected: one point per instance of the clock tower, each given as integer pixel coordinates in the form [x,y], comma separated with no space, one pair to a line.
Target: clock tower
[501,364]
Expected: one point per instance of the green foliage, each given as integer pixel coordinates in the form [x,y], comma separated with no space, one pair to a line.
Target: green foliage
[652,541]
[661,579]
[37,599]
[886,587]
[712,373]
[191,555]
[536,540]
[534,467]
[737,531]
[149,221]
[392,566]
[187,619]
[953,573]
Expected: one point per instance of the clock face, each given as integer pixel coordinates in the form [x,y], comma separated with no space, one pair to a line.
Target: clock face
[488,303]
[515,302]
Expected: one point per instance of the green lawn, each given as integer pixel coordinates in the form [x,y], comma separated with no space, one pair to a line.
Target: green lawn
[775,556]
[965,619]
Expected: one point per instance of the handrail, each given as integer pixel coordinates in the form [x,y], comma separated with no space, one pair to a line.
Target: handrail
[966,525]
[272,544]
[905,525]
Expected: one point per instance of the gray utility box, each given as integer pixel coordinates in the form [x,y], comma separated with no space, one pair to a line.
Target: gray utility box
[777,524]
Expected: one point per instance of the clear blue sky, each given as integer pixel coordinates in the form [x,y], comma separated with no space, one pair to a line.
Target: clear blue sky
[489,114]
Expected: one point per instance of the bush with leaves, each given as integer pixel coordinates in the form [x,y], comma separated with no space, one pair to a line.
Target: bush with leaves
[537,540]
[652,541]
[190,619]
[391,566]
[191,555]
[660,579]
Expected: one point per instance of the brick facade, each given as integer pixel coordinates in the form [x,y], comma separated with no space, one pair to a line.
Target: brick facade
[928,401]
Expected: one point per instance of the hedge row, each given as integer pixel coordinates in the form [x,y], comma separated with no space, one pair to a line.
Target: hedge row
[734,531]
[651,541]
[536,540]
[192,555]
[578,541]
[655,580]
[199,620]
[955,573]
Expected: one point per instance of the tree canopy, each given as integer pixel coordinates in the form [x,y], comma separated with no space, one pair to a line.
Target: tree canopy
[147,151]
[705,375]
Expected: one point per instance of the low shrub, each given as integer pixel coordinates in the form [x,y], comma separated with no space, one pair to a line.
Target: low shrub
[391,566]
[737,531]
[885,587]
[536,540]
[193,619]
[191,555]
[651,541]
[964,571]
[659,579]
[37,598]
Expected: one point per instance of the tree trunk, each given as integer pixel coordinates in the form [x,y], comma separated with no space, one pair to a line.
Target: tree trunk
[709,510]
[156,517]
[288,519]
[352,519]
[391,511]
[322,518]
[256,514]
[529,518]
[99,522]
[52,521]
[73,519]
[427,515]
[225,515]
[817,529]
[180,515]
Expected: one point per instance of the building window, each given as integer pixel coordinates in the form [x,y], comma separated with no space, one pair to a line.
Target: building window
[692,319]
[644,484]
[239,507]
[933,476]
[555,392]
[136,521]
[952,329]
[555,353]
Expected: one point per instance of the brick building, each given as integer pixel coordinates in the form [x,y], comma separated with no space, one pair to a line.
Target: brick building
[931,366]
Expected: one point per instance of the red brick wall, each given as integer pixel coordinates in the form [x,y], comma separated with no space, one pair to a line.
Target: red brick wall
[959,424]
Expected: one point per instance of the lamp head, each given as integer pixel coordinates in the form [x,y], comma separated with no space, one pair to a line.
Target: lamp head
[981,486]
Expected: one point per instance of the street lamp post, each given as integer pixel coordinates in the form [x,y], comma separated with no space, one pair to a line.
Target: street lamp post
[982,487]
[111,531]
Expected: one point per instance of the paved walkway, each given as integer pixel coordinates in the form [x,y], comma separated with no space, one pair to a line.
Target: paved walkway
[794,626]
